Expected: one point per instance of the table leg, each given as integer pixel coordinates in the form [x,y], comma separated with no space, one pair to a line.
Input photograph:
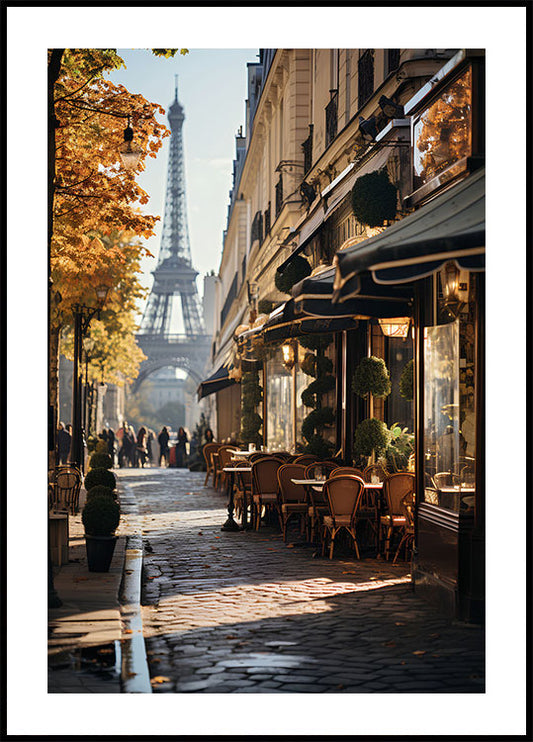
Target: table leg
[230,524]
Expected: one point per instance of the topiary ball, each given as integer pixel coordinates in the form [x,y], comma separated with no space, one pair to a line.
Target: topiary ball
[100,516]
[371,435]
[407,381]
[100,461]
[374,199]
[371,376]
[100,490]
[296,271]
[95,477]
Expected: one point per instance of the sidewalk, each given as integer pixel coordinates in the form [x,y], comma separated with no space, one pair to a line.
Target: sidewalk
[84,633]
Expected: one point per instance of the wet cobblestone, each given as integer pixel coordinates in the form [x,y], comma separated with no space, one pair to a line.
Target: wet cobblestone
[244,612]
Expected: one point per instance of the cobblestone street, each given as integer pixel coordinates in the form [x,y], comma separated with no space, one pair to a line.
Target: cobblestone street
[244,612]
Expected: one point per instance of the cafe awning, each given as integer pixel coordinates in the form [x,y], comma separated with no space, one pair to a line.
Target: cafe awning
[451,227]
[285,323]
[313,298]
[216,382]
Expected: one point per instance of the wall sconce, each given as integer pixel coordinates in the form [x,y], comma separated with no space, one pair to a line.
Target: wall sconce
[368,128]
[395,327]
[129,153]
[454,284]
[390,108]
[288,356]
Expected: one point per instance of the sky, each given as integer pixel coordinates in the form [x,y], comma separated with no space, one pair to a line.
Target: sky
[212,87]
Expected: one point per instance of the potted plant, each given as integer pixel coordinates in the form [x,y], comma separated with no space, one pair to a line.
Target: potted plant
[101,489]
[298,269]
[100,461]
[371,437]
[374,199]
[100,518]
[98,476]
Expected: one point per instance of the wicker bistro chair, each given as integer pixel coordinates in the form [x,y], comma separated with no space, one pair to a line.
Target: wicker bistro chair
[207,451]
[344,495]
[305,459]
[265,488]
[408,536]
[395,488]
[347,470]
[320,469]
[375,473]
[293,497]
[318,504]
[66,484]
[243,487]
[284,455]
[223,458]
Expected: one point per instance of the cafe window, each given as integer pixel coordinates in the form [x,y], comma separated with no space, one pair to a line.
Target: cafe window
[442,133]
[449,402]
[279,403]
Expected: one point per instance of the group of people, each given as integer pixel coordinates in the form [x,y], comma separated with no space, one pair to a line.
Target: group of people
[130,449]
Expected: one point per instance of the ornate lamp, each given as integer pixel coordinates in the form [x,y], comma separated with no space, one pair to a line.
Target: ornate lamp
[395,327]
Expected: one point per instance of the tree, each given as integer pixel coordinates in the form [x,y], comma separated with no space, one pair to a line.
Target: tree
[91,199]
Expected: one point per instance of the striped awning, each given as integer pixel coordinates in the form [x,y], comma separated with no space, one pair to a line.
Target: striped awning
[451,227]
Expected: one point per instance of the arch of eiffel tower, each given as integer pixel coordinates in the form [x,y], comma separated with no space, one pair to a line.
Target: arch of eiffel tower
[172,330]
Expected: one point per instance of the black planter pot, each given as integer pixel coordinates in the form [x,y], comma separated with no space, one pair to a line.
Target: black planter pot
[100,551]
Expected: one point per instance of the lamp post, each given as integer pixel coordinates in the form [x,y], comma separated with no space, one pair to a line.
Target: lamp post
[82,319]
[88,346]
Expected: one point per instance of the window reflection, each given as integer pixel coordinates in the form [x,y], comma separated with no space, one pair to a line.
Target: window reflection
[279,404]
[443,133]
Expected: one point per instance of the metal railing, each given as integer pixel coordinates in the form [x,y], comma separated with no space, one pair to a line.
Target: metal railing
[331,118]
[279,195]
[267,220]
[307,147]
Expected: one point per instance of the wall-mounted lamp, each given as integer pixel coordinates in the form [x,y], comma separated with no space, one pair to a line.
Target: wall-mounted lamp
[289,356]
[390,108]
[368,128]
[454,283]
[395,327]
[129,153]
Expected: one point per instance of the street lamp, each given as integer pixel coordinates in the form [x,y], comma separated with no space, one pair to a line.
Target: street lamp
[88,347]
[82,319]
[130,154]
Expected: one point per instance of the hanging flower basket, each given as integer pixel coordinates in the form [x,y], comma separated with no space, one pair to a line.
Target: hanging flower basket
[374,199]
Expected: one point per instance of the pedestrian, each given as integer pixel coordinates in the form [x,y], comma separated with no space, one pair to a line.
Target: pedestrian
[64,439]
[209,437]
[163,439]
[124,454]
[133,445]
[181,448]
[149,444]
[111,450]
[141,446]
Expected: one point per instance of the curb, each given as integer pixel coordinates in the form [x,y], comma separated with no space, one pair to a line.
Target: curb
[135,676]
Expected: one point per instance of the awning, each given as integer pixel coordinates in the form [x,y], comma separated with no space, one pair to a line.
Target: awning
[217,381]
[285,323]
[451,227]
[313,298]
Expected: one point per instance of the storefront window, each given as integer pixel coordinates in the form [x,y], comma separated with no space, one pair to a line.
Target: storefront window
[449,406]
[280,416]
[302,382]
[443,132]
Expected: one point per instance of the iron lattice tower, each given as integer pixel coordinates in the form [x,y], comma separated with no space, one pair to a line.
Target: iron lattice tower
[165,340]
[174,276]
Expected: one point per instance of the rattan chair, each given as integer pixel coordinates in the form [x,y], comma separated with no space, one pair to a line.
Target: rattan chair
[344,495]
[66,483]
[293,497]
[207,451]
[408,535]
[243,487]
[225,454]
[395,488]
[375,472]
[305,459]
[265,489]
[319,469]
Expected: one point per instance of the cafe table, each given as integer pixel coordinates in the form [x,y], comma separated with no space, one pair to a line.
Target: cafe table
[230,524]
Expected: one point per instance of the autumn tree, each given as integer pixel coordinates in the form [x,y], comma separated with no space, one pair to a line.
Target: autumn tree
[94,204]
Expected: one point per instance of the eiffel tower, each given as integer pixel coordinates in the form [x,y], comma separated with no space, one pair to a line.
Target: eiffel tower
[172,330]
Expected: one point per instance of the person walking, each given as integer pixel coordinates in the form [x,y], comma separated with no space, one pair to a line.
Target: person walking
[163,439]
[111,450]
[181,448]
[64,440]
[125,452]
[149,444]
[141,446]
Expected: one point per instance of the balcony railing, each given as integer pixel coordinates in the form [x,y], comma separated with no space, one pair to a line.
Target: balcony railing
[257,228]
[365,68]
[232,295]
[267,220]
[331,118]
[307,147]
[279,195]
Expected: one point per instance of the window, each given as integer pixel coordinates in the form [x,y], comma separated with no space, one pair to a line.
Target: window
[393,60]
[365,68]
[307,147]
[331,118]
[279,195]
[443,131]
